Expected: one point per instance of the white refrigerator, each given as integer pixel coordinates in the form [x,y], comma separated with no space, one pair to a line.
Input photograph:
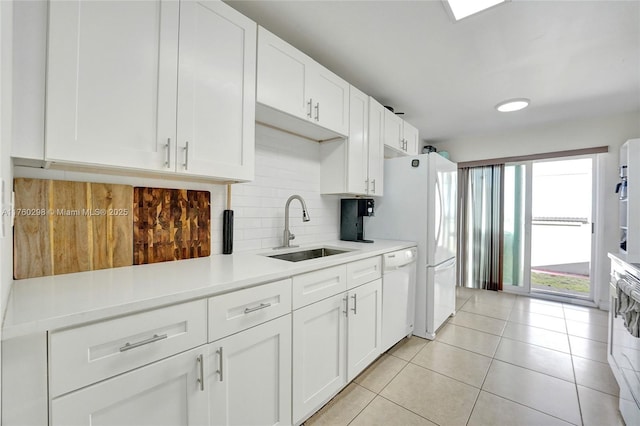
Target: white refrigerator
[419,204]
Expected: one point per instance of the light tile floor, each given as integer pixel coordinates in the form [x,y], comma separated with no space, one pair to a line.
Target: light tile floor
[501,360]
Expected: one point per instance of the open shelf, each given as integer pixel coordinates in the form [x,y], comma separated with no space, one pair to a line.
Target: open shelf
[629,206]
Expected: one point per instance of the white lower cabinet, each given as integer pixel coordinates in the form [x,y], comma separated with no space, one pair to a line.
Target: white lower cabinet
[333,341]
[167,392]
[364,327]
[249,377]
[262,364]
[319,354]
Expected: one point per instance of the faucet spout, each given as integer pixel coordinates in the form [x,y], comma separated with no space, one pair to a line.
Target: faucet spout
[287,236]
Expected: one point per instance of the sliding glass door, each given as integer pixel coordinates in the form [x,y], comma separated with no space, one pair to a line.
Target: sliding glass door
[548,237]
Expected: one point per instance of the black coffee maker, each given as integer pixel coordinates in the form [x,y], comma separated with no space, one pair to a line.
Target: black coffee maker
[352,210]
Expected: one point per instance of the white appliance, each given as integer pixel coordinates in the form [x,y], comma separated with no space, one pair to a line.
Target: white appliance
[624,348]
[419,204]
[398,293]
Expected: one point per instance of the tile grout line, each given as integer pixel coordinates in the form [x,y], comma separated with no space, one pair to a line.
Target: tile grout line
[444,375]
[481,386]
[387,384]
[409,410]
[366,405]
[573,367]
[531,408]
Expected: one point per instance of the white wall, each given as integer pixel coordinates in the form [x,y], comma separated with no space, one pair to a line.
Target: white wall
[6,65]
[610,131]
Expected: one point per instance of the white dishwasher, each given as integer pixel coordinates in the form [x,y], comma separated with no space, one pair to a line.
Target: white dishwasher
[398,295]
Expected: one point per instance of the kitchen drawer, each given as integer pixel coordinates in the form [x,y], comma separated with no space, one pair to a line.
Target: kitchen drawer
[233,312]
[363,271]
[88,354]
[318,285]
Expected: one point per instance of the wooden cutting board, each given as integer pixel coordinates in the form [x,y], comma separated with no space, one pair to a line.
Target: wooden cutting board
[62,227]
[170,224]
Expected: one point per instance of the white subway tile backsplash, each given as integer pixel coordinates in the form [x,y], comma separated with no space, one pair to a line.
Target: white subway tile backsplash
[285,165]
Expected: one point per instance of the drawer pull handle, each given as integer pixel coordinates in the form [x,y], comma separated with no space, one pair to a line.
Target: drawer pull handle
[256,308]
[200,362]
[355,304]
[155,338]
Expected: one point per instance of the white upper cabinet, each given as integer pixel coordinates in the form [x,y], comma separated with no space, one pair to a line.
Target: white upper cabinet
[282,71]
[400,137]
[216,91]
[411,137]
[357,145]
[119,95]
[376,148]
[111,74]
[393,137]
[291,84]
[355,165]
[329,99]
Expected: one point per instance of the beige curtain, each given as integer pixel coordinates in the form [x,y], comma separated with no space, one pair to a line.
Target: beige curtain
[480,227]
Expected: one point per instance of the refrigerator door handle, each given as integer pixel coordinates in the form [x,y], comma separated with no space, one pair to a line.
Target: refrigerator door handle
[446,264]
[440,208]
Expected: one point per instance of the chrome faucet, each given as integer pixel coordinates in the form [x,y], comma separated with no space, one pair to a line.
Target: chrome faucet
[287,235]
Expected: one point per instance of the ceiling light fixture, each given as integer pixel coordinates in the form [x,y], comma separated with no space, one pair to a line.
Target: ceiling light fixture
[463,8]
[513,105]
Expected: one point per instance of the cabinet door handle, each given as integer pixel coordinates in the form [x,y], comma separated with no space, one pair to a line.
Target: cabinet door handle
[186,156]
[220,365]
[310,104]
[373,186]
[128,346]
[168,146]
[346,306]
[366,186]
[200,380]
[257,308]
[355,304]
[318,111]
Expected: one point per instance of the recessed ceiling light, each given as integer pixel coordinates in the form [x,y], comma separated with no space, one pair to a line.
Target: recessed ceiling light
[463,8]
[513,105]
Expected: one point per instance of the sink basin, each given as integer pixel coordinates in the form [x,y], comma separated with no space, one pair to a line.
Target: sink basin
[307,254]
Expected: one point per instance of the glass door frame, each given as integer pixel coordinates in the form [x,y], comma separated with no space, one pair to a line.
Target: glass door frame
[525,289]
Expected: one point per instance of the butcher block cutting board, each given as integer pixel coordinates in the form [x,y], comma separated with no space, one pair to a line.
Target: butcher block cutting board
[170,224]
[62,227]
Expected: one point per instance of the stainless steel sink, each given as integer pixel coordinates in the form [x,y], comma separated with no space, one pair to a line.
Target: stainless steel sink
[297,256]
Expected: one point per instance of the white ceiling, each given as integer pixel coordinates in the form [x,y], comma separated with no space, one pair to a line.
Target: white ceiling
[573,59]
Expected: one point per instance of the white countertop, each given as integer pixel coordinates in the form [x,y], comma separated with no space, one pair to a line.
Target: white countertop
[60,301]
